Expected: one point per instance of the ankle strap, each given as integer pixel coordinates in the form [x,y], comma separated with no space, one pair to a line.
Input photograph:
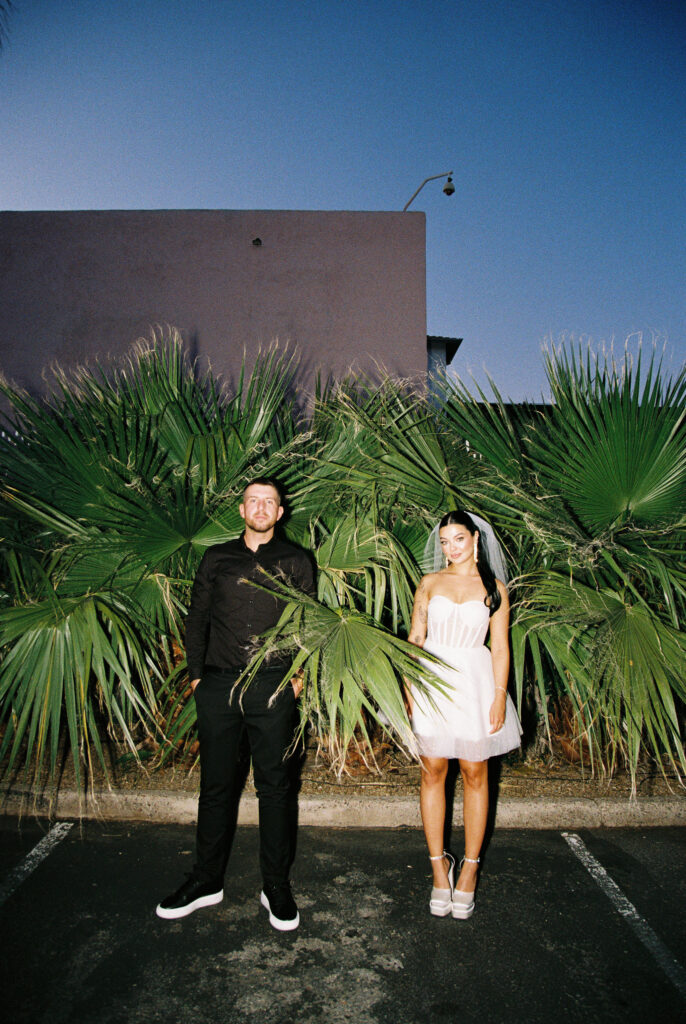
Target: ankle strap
[440,856]
[470,860]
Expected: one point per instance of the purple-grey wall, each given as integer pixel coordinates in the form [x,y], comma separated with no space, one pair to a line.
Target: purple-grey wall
[348,289]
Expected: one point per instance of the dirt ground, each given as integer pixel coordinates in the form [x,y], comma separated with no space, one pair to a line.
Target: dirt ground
[517,775]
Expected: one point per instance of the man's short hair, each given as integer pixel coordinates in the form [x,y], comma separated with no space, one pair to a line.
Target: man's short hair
[266,481]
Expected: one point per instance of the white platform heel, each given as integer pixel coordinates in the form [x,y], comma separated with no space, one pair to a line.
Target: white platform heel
[463,902]
[441,902]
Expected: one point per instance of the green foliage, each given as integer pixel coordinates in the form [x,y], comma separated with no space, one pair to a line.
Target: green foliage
[589,495]
[116,483]
[350,665]
[112,488]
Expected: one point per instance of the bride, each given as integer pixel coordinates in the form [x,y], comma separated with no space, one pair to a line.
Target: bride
[472,718]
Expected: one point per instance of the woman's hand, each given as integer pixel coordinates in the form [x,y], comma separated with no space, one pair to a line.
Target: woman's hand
[496,715]
[194,683]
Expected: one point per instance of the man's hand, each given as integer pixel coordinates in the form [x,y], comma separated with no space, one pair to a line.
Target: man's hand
[194,683]
[297,683]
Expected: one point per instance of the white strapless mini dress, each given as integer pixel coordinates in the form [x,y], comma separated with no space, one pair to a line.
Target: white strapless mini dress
[455,723]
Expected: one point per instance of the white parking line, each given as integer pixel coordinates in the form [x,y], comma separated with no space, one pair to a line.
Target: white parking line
[653,943]
[33,859]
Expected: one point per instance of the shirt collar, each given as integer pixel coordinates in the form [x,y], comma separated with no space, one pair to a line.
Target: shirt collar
[265,546]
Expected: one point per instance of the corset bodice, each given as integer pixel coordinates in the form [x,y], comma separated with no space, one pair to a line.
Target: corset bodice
[451,624]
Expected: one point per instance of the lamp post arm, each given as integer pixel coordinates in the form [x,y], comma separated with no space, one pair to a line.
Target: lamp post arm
[432,178]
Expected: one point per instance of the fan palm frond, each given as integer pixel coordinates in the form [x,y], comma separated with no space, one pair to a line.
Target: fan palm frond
[66,661]
[353,671]
[615,442]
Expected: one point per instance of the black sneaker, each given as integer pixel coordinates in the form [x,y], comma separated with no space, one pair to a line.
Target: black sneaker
[192,895]
[283,913]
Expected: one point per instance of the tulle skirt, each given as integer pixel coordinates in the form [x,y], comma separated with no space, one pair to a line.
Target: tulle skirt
[455,723]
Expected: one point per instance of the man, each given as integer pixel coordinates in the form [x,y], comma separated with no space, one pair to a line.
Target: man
[226,614]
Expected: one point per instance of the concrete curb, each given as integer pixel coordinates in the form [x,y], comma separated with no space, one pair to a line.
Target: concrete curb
[357,810]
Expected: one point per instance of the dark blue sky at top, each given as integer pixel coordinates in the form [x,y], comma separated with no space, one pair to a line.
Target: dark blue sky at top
[564,122]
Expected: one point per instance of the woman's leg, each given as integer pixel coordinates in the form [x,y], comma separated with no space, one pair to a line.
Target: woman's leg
[432,805]
[475,781]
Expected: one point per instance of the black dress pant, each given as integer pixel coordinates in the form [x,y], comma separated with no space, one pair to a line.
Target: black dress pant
[222,715]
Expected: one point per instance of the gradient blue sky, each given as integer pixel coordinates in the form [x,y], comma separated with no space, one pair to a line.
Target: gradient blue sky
[564,122]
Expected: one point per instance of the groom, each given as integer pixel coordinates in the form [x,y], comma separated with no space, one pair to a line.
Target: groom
[226,614]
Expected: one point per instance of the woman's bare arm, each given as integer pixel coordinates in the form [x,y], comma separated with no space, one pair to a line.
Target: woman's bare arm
[418,628]
[500,655]
[420,611]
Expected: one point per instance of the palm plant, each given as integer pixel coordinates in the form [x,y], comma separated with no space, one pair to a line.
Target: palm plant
[113,487]
[377,475]
[351,667]
[368,474]
[117,483]
[590,493]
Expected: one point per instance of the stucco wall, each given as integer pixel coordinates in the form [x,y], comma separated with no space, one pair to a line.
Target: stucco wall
[346,288]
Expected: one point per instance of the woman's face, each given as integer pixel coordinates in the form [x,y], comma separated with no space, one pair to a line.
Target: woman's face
[457,543]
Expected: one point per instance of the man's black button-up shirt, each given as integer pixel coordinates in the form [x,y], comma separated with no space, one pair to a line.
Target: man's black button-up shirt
[226,613]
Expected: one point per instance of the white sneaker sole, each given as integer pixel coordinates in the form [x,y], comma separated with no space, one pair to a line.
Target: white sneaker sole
[170,914]
[276,922]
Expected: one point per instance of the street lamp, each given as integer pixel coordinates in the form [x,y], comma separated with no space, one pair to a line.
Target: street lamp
[448,188]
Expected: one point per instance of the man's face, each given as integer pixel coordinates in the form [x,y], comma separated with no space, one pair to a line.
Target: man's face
[260,508]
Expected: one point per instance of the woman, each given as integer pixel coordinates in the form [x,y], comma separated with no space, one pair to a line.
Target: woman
[473,719]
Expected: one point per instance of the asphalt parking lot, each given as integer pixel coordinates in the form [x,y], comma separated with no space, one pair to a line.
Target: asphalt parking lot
[587,926]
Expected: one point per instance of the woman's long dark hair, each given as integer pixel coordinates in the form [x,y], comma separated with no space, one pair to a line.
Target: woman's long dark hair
[460,518]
